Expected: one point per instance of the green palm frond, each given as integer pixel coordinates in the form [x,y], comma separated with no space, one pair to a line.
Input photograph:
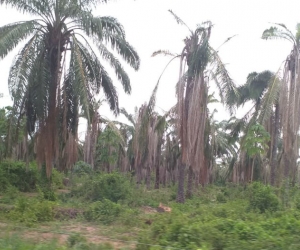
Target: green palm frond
[95,26]
[28,75]
[39,81]
[119,44]
[275,33]
[128,116]
[98,77]
[112,25]
[34,7]
[225,84]
[114,63]
[116,131]
[70,101]
[12,34]
[269,100]
[78,68]
[109,91]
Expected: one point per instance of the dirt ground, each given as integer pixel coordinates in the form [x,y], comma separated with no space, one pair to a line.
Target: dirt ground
[92,233]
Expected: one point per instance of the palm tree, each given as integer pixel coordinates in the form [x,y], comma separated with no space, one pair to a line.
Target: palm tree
[288,100]
[57,72]
[262,90]
[198,63]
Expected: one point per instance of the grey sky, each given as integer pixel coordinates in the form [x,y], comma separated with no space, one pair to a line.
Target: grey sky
[150,27]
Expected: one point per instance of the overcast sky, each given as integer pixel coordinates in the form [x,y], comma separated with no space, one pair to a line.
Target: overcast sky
[150,27]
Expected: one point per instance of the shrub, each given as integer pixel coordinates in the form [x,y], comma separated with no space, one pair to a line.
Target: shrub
[262,198]
[30,211]
[221,198]
[104,211]
[75,238]
[113,186]
[10,195]
[82,168]
[15,173]
[57,179]
[47,192]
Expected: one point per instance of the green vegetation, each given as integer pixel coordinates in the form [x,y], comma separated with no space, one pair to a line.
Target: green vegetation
[216,218]
[177,179]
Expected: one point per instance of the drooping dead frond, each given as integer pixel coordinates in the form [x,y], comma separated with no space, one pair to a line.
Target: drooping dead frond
[179,20]
[163,52]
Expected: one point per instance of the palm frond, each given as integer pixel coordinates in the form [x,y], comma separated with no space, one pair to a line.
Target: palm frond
[12,34]
[179,20]
[78,68]
[162,52]
[224,82]
[126,51]
[127,115]
[269,99]
[109,91]
[116,131]
[114,63]
[34,7]
[275,33]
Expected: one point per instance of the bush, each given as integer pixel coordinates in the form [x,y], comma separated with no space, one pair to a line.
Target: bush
[76,238]
[57,179]
[10,195]
[82,168]
[262,198]
[15,173]
[26,179]
[104,211]
[30,211]
[221,198]
[113,187]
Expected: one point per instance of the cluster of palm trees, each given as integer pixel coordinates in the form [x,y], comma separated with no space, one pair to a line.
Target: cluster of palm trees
[57,75]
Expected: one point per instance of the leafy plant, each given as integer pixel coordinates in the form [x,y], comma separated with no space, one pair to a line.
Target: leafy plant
[262,198]
[82,168]
[112,186]
[30,211]
[15,173]
[104,211]
[256,141]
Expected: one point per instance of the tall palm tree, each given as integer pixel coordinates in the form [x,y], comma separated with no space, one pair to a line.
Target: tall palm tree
[262,90]
[199,62]
[57,72]
[288,100]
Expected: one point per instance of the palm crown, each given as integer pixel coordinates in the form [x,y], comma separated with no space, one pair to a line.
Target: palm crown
[44,89]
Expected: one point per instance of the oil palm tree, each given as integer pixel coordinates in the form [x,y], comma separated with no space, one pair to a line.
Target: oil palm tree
[262,90]
[199,62]
[288,100]
[57,72]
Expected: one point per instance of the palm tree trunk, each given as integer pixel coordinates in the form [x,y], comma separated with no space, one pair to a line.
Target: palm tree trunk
[275,144]
[157,164]
[148,176]
[252,169]
[180,192]
[183,133]
[157,176]
[189,191]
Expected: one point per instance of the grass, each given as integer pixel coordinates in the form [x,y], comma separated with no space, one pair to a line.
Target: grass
[215,218]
